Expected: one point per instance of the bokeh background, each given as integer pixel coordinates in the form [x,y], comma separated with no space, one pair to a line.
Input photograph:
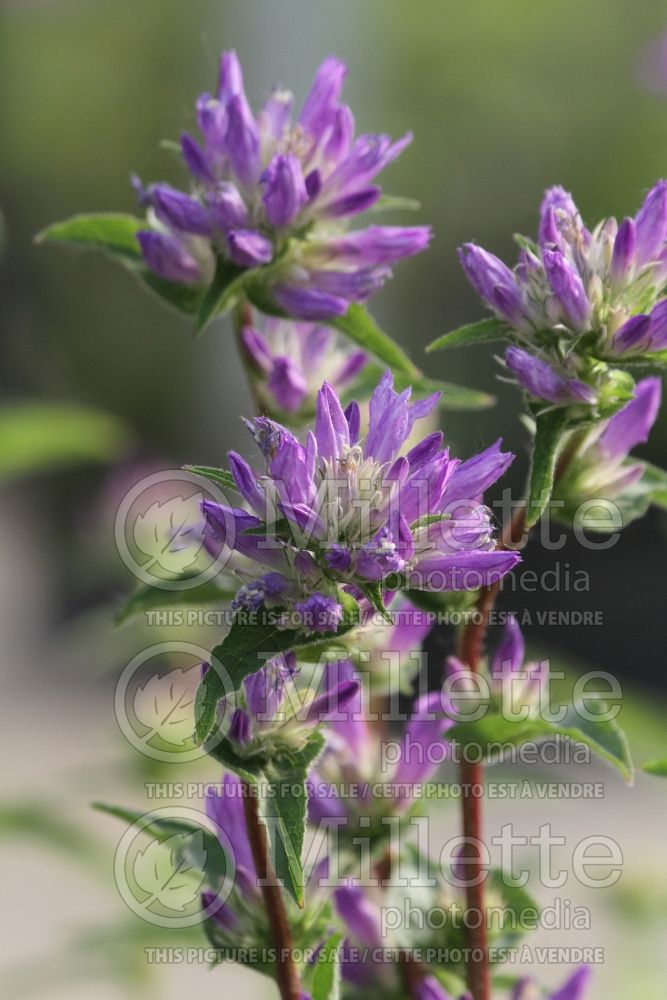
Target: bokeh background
[504,97]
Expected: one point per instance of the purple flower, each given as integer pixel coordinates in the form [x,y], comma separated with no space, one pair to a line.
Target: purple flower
[430,989]
[391,512]
[352,758]
[290,361]
[224,806]
[518,686]
[541,380]
[601,468]
[574,989]
[578,295]
[170,258]
[270,189]
[568,288]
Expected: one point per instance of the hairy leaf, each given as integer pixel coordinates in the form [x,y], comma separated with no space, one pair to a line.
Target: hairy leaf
[549,430]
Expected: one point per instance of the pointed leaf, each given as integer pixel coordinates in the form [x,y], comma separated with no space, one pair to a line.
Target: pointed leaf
[373,594]
[111,232]
[284,806]
[326,980]
[359,326]
[149,598]
[656,767]
[549,430]
[483,332]
[656,480]
[160,829]
[221,477]
[116,236]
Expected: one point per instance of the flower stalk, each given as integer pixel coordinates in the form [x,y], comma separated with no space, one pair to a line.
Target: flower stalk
[287,974]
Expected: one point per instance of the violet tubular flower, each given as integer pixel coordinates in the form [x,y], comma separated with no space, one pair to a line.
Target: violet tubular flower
[289,361]
[579,298]
[343,511]
[518,688]
[274,189]
[601,472]
[352,759]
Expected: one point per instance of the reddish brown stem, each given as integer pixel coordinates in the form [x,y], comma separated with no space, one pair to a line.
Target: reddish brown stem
[472,778]
[286,970]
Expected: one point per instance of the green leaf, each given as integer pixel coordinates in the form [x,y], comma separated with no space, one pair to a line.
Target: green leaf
[244,650]
[221,477]
[483,332]
[604,738]
[111,232]
[373,593]
[38,437]
[656,480]
[454,397]
[116,236]
[549,430]
[284,804]
[220,295]
[148,598]
[656,767]
[517,902]
[326,979]
[359,326]
[215,860]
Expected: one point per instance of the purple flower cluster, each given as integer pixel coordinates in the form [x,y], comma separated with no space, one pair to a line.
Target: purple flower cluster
[576,297]
[271,190]
[258,723]
[346,510]
[289,361]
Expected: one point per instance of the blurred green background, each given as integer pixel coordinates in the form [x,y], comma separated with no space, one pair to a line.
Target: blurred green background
[504,97]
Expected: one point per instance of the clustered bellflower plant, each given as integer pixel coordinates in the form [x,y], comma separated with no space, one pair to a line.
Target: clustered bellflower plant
[349,512]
